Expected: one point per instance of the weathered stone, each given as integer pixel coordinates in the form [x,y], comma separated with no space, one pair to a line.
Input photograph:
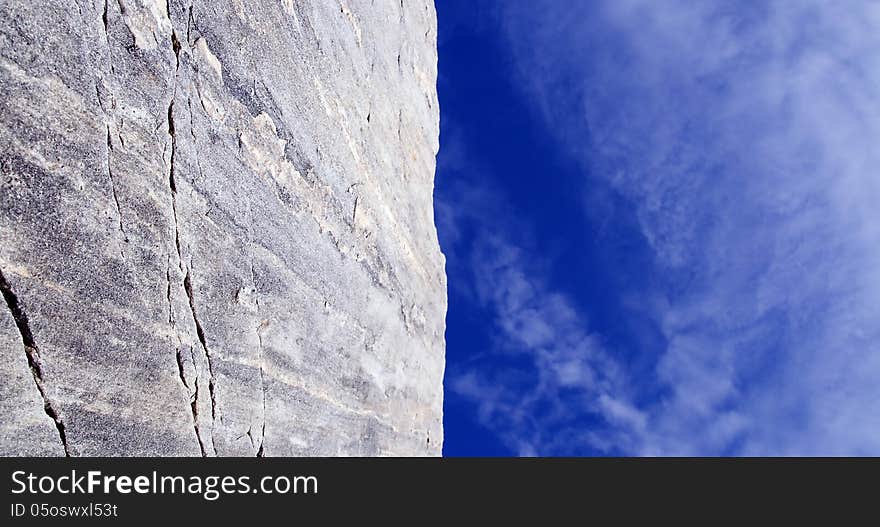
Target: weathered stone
[216,228]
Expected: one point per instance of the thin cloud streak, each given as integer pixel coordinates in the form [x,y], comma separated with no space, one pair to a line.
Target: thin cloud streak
[544,373]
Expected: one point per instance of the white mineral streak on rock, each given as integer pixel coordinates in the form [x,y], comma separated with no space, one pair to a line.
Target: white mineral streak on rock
[353,20]
[147,20]
[205,54]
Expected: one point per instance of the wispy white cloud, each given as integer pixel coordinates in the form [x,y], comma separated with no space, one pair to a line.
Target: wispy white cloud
[746,136]
[543,374]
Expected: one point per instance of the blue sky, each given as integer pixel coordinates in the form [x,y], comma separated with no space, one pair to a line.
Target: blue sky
[662,227]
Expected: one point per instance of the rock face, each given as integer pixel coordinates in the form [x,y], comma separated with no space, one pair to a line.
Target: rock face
[216,228]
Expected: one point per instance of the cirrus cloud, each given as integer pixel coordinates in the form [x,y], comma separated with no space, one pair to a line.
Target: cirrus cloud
[745,137]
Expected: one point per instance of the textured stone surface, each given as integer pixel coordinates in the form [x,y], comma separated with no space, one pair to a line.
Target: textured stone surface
[216,228]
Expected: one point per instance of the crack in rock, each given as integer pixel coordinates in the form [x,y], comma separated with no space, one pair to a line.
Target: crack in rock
[187,282]
[33,358]
[260,327]
[115,195]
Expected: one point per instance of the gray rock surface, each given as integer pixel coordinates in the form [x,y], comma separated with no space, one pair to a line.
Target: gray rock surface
[216,228]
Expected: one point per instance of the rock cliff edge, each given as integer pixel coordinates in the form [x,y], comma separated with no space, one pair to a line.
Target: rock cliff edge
[216,228]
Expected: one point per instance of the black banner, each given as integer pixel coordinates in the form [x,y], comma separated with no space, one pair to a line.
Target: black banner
[122,490]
